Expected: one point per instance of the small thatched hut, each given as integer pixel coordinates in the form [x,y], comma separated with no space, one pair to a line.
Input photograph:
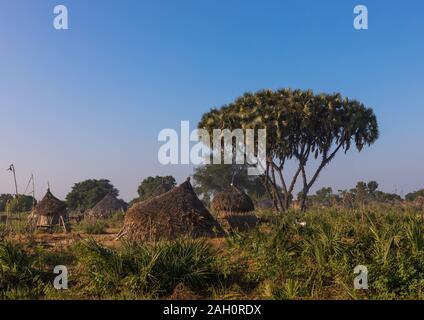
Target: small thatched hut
[49,212]
[234,209]
[175,213]
[106,207]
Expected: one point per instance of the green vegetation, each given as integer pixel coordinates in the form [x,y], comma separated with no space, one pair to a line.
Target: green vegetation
[316,259]
[22,203]
[414,195]
[4,199]
[143,270]
[362,194]
[211,179]
[154,186]
[19,278]
[301,126]
[86,194]
[291,256]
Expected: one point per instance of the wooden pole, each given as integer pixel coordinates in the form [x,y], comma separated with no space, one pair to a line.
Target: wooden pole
[33,191]
[12,168]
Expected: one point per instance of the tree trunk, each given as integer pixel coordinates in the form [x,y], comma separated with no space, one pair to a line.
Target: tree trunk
[274,184]
[266,182]
[304,197]
[307,185]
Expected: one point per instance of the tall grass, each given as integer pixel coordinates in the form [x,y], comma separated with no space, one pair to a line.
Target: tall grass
[19,278]
[316,260]
[145,269]
[290,256]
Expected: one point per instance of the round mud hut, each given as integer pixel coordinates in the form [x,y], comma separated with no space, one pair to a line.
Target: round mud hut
[49,212]
[234,209]
[106,207]
[178,212]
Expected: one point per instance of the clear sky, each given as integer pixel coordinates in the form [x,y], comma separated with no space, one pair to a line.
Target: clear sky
[90,101]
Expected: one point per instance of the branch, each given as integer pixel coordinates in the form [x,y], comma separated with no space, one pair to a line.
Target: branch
[283,182]
[324,162]
[293,182]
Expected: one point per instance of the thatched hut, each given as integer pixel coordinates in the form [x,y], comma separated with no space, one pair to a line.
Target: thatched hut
[178,212]
[234,209]
[49,212]
[106,207]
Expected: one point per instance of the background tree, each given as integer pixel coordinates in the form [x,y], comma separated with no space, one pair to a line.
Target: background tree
[414,195]
[85,195]
[21,203]
[154,186]
[381,196]
[211,179]
[347,198]
[300,125]
[365,193]
[360,192]
[325,196]
[372,187]
[4,198]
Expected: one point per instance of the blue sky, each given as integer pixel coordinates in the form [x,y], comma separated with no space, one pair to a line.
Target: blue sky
[89,102]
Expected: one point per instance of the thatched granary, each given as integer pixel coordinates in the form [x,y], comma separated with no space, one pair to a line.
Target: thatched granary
[234,209]
[232,200]
[178,212]
[49,212]
[106,207]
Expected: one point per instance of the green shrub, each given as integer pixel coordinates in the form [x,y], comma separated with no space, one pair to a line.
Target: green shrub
[184,261]
[18,275]
[145,269]
[103,267]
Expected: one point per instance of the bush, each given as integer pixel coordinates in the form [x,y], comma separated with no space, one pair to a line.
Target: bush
[187,261]
[141,269]
[22,203]
[18,276]
[316,259]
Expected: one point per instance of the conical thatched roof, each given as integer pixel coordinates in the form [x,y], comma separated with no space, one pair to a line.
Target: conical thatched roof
[49,211]
[234,210]
[232,200]
[106,207]
[170,215]
[160,189]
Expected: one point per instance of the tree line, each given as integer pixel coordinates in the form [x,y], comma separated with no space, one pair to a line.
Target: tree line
[208,181]
[363,193]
